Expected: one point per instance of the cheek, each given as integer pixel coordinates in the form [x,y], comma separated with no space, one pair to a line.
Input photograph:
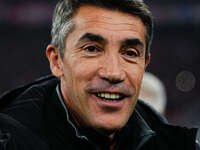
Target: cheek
[78,74]
[84,70]
[135,77]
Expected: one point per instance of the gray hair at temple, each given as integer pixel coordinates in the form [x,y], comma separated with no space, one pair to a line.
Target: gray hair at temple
[153,92]
[62,23]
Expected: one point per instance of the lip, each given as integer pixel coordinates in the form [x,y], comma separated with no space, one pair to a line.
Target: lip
[115,91]
[106,87]
[109,105]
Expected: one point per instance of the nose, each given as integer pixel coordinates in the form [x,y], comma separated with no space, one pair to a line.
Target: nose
[111,70]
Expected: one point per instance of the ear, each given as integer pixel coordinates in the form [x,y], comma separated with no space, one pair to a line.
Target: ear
[147,60]
[55,60]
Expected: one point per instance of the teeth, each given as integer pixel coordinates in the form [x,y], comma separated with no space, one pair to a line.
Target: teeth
[107,95]
[111,96]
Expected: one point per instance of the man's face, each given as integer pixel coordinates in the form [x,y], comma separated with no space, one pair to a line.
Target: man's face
[102,68]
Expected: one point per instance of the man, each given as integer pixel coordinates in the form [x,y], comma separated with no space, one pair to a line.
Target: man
[99,52]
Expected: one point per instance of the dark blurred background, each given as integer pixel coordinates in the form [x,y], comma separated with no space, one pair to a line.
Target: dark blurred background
[25,33]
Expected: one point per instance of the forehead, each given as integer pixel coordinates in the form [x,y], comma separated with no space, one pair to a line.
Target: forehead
[95,19]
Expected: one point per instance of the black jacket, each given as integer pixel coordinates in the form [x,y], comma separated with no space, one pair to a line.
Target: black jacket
[33,118]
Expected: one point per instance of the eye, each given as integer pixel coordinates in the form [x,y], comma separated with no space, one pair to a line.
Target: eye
[130,53]
[91,48]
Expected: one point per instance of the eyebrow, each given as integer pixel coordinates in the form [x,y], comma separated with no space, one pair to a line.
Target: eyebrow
[133,42]
[92,37]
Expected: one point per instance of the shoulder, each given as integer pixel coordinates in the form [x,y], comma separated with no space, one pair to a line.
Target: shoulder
[20,115]
[25,103]
[174,137]
[149,114]
[15,136]
[167,135]
[39,89]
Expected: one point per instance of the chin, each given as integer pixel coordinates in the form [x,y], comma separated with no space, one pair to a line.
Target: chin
[109,128]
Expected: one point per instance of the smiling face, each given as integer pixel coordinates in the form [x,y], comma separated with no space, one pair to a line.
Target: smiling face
[102,67]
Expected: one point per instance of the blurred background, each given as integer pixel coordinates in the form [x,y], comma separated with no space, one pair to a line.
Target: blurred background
[25,33]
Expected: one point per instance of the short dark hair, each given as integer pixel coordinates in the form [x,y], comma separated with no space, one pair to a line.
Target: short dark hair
[65,9]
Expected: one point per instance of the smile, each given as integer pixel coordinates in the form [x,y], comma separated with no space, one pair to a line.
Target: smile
[110,96]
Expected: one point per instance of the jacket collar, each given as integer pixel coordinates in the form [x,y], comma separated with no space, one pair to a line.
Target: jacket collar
[138,130]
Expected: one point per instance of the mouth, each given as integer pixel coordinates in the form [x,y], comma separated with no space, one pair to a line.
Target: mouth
[111,97]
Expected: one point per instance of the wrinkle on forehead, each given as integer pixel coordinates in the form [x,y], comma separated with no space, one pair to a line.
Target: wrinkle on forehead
[117,28]
[102,16]
[111,26]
